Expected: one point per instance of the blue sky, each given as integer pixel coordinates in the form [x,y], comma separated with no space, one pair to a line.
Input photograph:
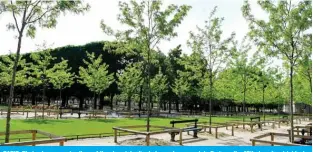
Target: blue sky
[82,29]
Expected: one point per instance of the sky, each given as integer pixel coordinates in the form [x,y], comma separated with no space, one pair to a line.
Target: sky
[81,29]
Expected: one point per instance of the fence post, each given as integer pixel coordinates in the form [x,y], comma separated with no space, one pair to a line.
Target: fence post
[61,143]
[272,138]
[77,137]
[180,137]
[115,135]
[232,130]
[26,114]
[216,132]
[34,132]
[289,135]
[148,139]
[253,143]
[35,113]
[0,111]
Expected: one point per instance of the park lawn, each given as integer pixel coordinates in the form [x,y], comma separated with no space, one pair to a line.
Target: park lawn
[71,127]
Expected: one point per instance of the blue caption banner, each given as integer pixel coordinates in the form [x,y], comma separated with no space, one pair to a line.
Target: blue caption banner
[156,149]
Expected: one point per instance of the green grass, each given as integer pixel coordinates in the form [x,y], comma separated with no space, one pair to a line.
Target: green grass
[67,127]
[3,107]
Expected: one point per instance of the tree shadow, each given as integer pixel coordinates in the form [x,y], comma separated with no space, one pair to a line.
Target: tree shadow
[44,121]
[103,120]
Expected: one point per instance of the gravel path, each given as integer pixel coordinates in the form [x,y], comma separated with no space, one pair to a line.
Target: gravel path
[241,138]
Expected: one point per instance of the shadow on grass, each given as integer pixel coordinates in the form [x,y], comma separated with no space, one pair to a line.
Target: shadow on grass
[43,121]
[155,119]
[103,120]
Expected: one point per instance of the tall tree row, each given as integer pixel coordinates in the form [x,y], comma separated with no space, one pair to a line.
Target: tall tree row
[282,34]
[27,17]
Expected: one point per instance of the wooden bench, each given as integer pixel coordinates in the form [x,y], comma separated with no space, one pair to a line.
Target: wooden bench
[304,140]
[194,128]
[285,119]
[215,126]
[258,119]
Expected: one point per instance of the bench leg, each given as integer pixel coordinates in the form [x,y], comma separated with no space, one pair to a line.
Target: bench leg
[216,132]
[232,130]
[180,137]
[172,136]
[195,134]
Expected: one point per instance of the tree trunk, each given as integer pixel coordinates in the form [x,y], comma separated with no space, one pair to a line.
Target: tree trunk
[177,105]
[8,120]
[291,102]
[21,99]
[140,99]
[244,97]
[211,96]
[170,104]
[81,101]
[33,98]
[60,99]
[101,101]
[43,100]
[111,101]
[129,103]
[164,105]
[263,103]
[63,101]
[49,101]
[94,101]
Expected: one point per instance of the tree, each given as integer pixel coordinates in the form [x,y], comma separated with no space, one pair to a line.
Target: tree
[282,34]
[40,71]
[181,85]
[129,81]
[172,62]
[28,15]
[159,87]
[242,68]
[194,69]
[61,77]
[95,76]
[263,81]
[147,25]
[208,40]
[22,79]
[6,65]
[305,64]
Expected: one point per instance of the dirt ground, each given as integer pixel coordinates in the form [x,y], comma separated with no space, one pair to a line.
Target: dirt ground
[241,138]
